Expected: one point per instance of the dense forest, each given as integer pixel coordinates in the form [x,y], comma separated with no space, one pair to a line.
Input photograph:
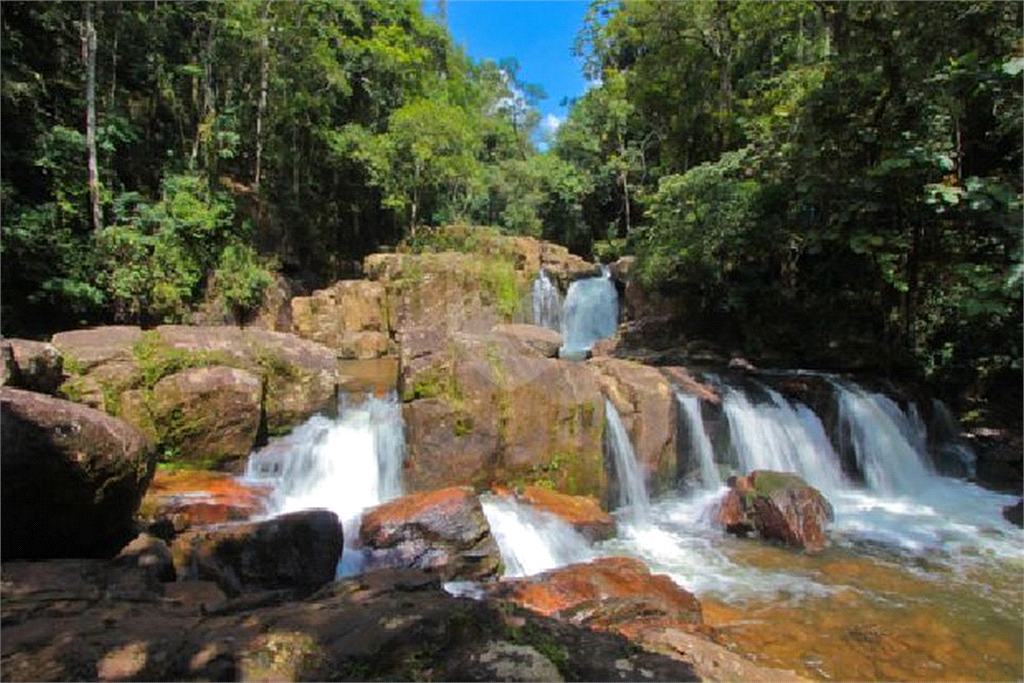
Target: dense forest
[804,174]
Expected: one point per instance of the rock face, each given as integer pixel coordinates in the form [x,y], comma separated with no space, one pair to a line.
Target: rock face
[531,339]
[179,500]
[349,317]
[779,506]
[295,550]
[72,477]
[479,412]
[212,415]
[443,531]
[581,512]
[647,406]
[63,622]
[1014,514]
[31,365]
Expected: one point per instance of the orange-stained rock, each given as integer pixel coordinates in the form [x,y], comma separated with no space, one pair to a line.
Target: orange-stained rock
[607,593]
[189,498]
[687,383]
[443,530]
[582,512]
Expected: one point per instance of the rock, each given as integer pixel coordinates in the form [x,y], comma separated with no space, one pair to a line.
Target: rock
[100,361]
[181,499]
[1000,459]
[563,267]
[300,375]
[605,347]
[740,363]
[779,506]
[32,365]
[647,406]
[582,512]
[474,411]
[149,554]
[210,415]
[349,317]
[298,550]
[444,531]
[61,624]
[605,593]
[1014,514]
[685,382]
[622,268]
[531,340]
[72,477]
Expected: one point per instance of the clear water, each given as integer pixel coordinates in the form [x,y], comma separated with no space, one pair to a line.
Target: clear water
[532,541]
[547,303]
[634,502]
[699,445]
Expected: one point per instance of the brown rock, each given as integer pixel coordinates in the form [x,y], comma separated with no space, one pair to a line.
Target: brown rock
[183,499]
[349,317]
[682,379]
[646,404]
[582,512]
[780,506]
[444,531]
[72,477]
[296,550]
[101,359]
[531,340]
[605,593]
[150,555]
[32,365]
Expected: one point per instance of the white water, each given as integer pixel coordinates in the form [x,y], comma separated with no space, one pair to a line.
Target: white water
[345,465]
[590,313]
[532,541]
[699,444]
[547,303]
[633,497]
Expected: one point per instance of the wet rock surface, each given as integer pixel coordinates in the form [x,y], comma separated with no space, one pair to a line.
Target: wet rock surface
[178,500]
[581,512]
[779,506]
[443,531]
[72,477]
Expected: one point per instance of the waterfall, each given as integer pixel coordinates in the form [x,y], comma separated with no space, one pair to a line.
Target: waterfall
[889,446]
[590,313]
[344,465]
[951,449]
[700,444]
[775,435]
[632,489]
[547,302]
[532,541]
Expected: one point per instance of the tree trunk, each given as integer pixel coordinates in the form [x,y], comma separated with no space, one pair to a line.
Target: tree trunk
[89,45]
[261,107]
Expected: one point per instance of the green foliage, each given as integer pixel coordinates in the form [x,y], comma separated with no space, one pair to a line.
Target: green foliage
[500,282]
[241,280]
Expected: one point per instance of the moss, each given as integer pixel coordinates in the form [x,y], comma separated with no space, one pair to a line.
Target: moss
[73,389]
[155,359]
[463,425]
[498,278]
[767,482]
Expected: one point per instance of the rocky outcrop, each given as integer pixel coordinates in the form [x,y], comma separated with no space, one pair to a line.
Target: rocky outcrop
[71,477]
[178,500]
[479,412]
[349,317]
[531,340]
[73,621]
[31,365]
[563,267]
[100,362]
[646,404]
[443,531]
[779,506]
[150,555]
[1014,514]
[583,513]
[1000,459]
[295,550]
[211,415]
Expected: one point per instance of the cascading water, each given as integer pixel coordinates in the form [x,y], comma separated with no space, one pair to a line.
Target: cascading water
[699,443]
[547,303]
[590,313]
[632,488]
[950,447]
[531,541]
[344,465]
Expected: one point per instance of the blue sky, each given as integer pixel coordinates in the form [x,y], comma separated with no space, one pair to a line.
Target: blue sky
[539,34]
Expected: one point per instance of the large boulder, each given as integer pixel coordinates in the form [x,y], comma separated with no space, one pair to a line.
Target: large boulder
[531,339]
[297,550]
[780,506]
[605,593]
[349,317]
[72,477]
[32,365]
[100,362]
[480,412]
[443,531]
[210,415]
[647,406]
[563,267]
[178,500]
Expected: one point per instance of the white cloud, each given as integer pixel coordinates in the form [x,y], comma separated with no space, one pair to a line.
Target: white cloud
[550,123]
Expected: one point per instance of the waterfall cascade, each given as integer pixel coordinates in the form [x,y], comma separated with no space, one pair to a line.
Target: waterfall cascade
[531,541]
[699,443]
[632,488]
[344,465]
[547,303]
[590,313]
